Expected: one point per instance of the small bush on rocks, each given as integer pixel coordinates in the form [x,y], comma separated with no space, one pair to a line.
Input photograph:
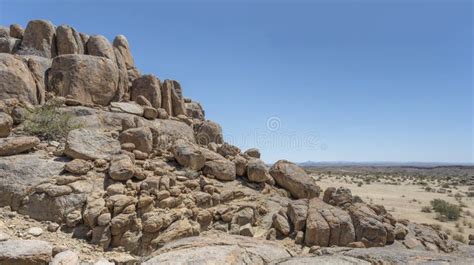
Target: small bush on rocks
[48,123]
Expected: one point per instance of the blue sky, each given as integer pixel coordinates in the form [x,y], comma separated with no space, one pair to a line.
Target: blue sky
[311,80]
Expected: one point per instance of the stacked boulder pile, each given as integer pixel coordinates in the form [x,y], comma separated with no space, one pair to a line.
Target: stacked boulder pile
[145,169]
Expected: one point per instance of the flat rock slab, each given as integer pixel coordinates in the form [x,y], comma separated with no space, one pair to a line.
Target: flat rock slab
[21,172]
[16,145]
[25,252]
[219,248]
[90,145]
[126,107]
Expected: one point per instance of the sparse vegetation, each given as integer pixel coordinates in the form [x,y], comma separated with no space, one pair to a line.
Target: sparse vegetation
[446,209]
[48,122]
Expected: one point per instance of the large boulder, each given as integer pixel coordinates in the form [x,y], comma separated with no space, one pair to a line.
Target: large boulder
[9,45]
[90,145]
[219,248]
[38,67]
[21,172]
[68,41]
[194,110]
[121,168]
[188,155]
[220,169]
[257,171]
[16,145]
[172,98]
[121,44]
[149,87]
[39,39]
[369,227]
[294,179]
[209,132]
[16,80]
[327,225]
[25,252]
[98,45]
[88,79]
[16,31]
[141,137]
[177,100]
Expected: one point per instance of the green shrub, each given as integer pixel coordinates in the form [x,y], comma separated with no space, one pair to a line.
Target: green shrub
[444,208]
[48,123]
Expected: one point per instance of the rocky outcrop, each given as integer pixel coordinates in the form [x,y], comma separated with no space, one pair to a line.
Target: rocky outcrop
[98,45]
[39,39]
[294,179]
[147,86]
[16,80]
[88,79]
[208,132]
[68,40]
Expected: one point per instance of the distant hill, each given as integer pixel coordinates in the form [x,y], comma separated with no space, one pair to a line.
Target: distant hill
[380,164]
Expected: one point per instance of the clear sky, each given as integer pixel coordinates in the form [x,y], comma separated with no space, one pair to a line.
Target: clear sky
[313,80]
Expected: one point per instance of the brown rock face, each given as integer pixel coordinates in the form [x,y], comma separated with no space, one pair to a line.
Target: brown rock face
[188,155]
[294,179]
[149,87]
[121,44]
[6,123]
[38,67]
[369,227]
[39,39]
[141,137]
[68,41]
[16,80]
[98,45]
[220,169]
[327,225]
[17,145]
[88,79]
[257,171]
[209,132]
[172,97]
[297,213]
[16,31]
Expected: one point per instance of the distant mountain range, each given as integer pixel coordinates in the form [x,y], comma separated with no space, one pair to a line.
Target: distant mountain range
[380,164]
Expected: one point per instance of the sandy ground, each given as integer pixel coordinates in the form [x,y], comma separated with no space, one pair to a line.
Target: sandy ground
[406,200]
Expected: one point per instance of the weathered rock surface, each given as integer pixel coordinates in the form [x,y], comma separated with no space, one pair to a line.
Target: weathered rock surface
[257,171]
[209,132]
[188,155]
[219,248]
[141,137]
[220,169]
[88,79]
[16,80]
[25,252]
[68,40]
[16,145]
[39,39]
[294,179]
[149,87]
[6,123]
[98,45]
[90,145]
[21,172]
[121,168]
